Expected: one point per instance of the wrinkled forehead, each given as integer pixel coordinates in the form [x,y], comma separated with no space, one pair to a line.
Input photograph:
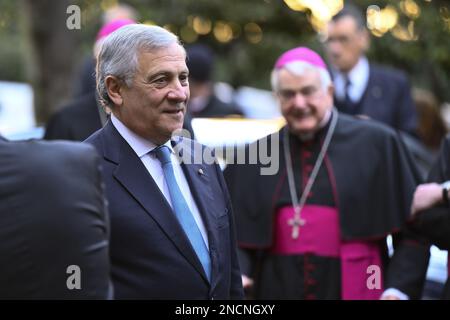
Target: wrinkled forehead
[173,53]
[152,63]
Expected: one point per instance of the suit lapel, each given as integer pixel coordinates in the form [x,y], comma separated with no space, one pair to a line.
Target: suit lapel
[132,174]
[200,185]
[371,101]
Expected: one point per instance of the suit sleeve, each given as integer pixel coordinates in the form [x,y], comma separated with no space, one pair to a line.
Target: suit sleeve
[57,128]
[408,266]
[431,226]
[407,115]
[236,290]
[54,218]
[245,261]
[434,223]
[250,252]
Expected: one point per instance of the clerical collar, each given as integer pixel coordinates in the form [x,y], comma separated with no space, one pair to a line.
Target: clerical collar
[323,123]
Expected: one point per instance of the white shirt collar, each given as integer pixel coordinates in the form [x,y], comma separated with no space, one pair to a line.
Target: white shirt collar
[140,145]
[358,76]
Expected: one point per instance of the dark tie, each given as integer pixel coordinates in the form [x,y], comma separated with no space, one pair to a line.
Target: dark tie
[182,211]
[345,104]
[349,106]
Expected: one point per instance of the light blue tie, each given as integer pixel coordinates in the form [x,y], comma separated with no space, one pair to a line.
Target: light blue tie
[182,210]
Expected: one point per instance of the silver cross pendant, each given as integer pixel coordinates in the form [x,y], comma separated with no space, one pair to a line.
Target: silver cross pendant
[296,222]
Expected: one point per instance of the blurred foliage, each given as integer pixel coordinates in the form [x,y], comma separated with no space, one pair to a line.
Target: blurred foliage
[11,59]
[242,62]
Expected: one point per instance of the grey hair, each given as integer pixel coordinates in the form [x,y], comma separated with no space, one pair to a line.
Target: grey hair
[119,52]
[299,68]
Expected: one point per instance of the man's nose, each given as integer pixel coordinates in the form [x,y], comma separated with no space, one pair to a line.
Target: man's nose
[178,92]
[299,100]
[335,49]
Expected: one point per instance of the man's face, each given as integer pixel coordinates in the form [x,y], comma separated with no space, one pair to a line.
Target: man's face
[155,104]
[303,101]
[345,43]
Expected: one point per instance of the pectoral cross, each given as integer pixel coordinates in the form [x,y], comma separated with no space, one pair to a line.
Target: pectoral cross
[296,222]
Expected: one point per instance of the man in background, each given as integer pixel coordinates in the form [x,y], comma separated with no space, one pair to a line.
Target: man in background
[84,115]
[204,103]
[54,225]
[362,88]
[431,211]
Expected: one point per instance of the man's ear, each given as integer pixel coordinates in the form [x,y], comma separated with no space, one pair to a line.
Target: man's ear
[330,93]
[276,96]
[114,89]
[365,40]
[330,90]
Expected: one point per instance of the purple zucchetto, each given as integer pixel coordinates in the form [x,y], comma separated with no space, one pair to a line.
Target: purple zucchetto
[112,26]
[300,54]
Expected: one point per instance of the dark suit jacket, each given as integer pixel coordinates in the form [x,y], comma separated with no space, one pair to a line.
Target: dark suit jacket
[434,223]
[75,121]
[52,216]
[388,99]
[151,256]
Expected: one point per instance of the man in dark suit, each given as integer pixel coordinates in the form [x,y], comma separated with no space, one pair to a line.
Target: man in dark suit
[430,209]
[77,120]
[378,92]
[204,102]
[172,231]
[54,226]
[82,116]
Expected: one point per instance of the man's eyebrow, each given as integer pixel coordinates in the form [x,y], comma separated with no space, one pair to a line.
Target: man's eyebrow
[164,73]
[157,74]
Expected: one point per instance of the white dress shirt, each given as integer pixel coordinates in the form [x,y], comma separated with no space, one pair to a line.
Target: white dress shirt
[358,76]
[142,148]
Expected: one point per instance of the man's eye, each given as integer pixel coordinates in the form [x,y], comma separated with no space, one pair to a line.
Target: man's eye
[184,79]
[287,94]
[309,91]
[159,80]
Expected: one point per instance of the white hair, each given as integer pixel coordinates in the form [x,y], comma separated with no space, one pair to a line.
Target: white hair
[299,68]
[119,52]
